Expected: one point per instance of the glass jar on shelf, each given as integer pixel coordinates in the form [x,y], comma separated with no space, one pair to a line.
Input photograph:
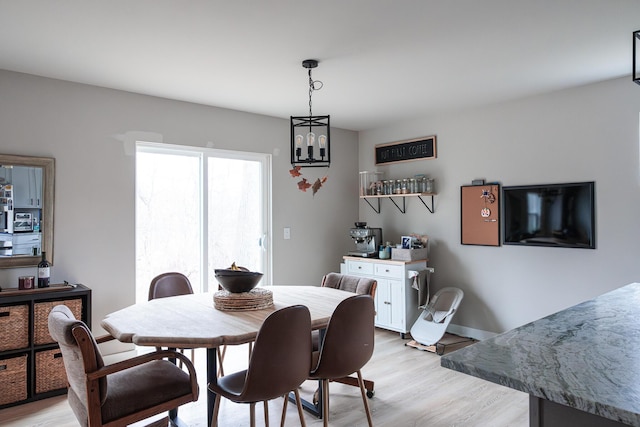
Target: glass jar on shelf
[412,185]
[429,186]
[368,182]
[404,188]
[397,189]
[423,184]
[385,186]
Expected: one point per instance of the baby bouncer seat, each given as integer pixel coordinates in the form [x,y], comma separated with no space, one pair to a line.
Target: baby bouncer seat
[436,316]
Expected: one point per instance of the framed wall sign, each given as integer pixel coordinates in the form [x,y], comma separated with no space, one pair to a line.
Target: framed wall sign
[403,151]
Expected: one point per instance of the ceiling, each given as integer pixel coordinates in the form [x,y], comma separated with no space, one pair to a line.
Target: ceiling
[381,61]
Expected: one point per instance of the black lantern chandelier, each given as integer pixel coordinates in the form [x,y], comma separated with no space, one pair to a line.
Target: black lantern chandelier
[305,128]
[636,57]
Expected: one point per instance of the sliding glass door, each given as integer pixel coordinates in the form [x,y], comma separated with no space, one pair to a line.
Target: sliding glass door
[198,210]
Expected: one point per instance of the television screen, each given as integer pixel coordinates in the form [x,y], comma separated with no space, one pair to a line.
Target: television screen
[560,215]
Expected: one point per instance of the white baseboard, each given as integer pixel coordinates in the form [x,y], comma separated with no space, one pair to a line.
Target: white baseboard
[464,331]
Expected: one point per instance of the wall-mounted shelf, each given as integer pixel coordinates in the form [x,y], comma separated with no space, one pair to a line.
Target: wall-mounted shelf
[402,209]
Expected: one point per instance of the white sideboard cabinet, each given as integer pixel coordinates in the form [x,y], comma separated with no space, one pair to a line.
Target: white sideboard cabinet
[396,301]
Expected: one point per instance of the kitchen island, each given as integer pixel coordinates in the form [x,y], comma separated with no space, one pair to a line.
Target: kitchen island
[580,366]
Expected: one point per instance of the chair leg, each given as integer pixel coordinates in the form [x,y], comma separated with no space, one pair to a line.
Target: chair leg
[216,409]
[284,409]
[325,403]
[299,405]
[266,413]
[364,399]
[252,414]
[220,354]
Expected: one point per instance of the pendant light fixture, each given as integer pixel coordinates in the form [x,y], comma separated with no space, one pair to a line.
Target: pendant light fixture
[305,128]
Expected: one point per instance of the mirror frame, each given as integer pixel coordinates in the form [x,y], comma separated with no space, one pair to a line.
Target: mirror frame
[48,175]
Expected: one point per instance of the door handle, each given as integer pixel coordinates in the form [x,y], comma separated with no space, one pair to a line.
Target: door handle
[262,242]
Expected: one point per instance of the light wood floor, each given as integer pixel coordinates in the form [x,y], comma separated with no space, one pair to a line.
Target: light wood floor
[411,389]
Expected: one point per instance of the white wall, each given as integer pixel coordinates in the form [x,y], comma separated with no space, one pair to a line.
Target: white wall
[94,187]
[583,134]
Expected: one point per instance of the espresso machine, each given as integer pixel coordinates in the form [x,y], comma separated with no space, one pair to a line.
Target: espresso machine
[367,240]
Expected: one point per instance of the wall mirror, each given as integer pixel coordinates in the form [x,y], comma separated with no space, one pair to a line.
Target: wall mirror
[26,210]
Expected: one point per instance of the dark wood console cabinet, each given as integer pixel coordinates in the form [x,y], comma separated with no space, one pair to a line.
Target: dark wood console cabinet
[31,366]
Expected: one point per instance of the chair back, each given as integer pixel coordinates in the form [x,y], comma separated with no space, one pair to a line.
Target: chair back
[79,359]
[281,356]
[349,339]
[169,285]
[357,285]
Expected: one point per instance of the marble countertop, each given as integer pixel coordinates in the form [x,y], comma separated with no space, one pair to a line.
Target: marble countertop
[586,357]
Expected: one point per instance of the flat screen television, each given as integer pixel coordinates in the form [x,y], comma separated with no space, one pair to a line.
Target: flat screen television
[558,215]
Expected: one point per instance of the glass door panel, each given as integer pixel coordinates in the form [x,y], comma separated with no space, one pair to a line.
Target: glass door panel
[168,218]
[236,225]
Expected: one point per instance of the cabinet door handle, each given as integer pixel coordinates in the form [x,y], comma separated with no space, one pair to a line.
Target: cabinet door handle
[5,313]
[387,302]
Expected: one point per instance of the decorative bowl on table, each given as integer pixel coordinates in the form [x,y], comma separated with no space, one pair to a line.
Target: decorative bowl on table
[237,281]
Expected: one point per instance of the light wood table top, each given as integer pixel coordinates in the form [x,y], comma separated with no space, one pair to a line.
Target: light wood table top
[192,321]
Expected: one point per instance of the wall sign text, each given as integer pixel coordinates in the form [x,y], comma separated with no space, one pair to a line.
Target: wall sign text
[402,151]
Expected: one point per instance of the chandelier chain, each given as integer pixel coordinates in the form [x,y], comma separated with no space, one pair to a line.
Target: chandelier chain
[311,88]
[313,85]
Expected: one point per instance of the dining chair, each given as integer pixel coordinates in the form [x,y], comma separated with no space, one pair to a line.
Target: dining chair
[346,347]
[121,393]
[173,284]
[279,364]
[357,285]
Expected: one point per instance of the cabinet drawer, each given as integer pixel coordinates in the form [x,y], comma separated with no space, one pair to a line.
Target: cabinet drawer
[388,270]
[41,312]
[50,373]
[359,267]
[13,379]
[14,327]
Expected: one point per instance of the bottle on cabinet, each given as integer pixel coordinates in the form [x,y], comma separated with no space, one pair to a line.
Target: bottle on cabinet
[44,272]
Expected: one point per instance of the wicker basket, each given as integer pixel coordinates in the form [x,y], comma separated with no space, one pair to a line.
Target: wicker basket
[14,327]
[50,373]
[13,377]
[41,318]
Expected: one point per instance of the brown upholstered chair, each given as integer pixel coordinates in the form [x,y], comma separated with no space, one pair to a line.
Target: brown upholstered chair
[347,346]
[279,363]
[121,393]
[357,285]
[173,284]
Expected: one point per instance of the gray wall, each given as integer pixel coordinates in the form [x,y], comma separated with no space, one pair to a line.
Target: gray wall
[588,133]
[94,188]
[583,134]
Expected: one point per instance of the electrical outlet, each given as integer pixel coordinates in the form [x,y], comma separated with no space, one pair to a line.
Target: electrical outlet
[287,233]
